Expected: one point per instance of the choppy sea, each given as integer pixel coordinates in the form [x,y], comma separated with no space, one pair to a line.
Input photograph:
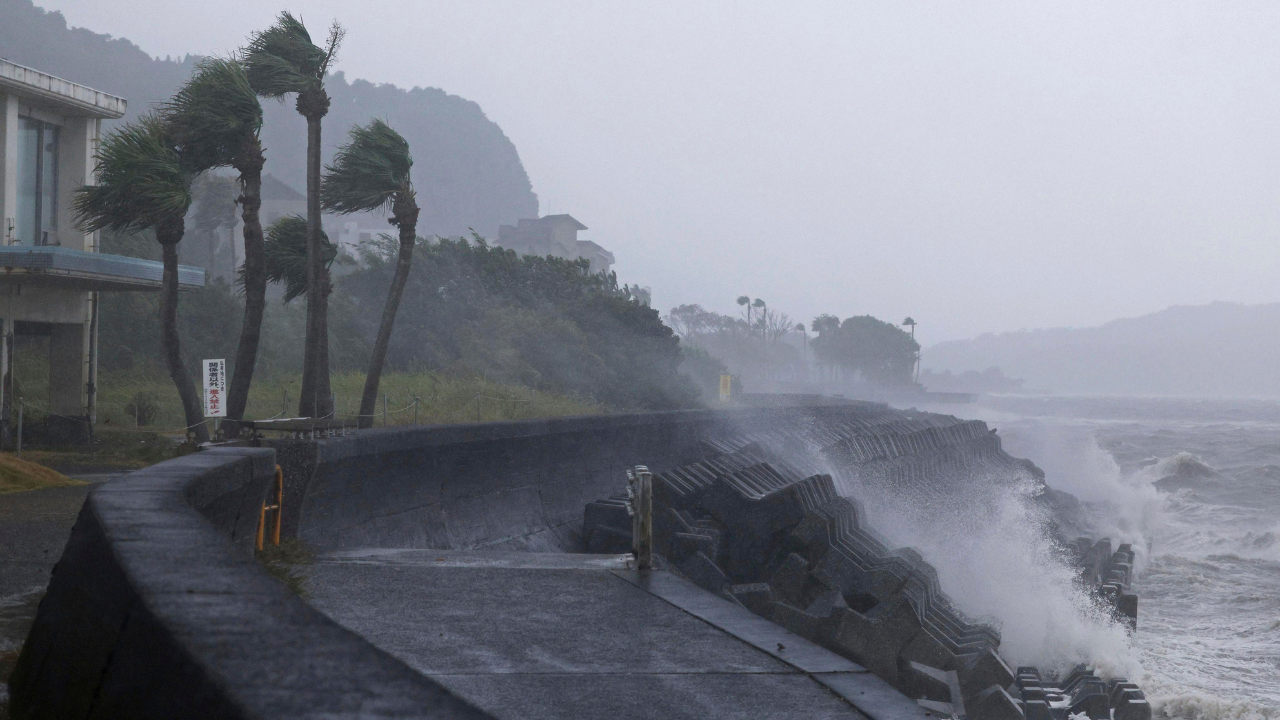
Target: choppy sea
[1195,486]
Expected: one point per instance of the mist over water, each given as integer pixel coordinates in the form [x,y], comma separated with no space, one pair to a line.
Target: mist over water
[995,555]
[1194,485]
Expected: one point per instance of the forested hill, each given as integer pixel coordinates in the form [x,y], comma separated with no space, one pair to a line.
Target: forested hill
[1220,349]
[467,172]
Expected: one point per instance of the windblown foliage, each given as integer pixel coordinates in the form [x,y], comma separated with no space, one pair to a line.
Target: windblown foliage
[287,254]
[282,59]
[367,172]
[142,181]
[880,351]
[211,116]
[544,322]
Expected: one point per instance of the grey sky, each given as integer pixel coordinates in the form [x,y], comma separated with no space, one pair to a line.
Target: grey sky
[979,166]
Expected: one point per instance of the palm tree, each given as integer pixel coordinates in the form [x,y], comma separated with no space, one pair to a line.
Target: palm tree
[144,183]
[746,301]
[759,304]
[371,172]
[286,255]
[215,120]
[283,60]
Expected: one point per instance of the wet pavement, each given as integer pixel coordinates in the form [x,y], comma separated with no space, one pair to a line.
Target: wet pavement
[34,527]
[533,635]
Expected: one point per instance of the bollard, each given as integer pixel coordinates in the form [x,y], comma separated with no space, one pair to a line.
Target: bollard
[22,405]
[640,492]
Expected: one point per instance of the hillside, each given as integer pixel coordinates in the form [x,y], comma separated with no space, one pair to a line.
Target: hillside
[467,172]
[1225,349]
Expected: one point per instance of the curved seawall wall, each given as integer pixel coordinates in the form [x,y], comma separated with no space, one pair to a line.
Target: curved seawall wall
[157,609]
[517,485]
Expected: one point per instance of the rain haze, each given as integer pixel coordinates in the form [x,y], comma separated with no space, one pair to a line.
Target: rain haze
[685,360]
[983,167]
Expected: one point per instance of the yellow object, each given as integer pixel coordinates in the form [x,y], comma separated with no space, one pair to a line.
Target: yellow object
[279,512]
[726,388]
[17,475]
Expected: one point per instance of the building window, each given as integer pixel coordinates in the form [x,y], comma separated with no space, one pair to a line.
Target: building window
[37,221]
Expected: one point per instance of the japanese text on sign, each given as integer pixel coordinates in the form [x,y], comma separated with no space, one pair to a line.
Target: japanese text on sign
[215,388]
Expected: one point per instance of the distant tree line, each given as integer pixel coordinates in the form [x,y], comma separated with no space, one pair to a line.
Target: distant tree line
[467,308]
[749,346]
[875,351]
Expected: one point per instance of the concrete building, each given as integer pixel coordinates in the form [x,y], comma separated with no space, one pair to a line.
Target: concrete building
[50,271]
[554,235]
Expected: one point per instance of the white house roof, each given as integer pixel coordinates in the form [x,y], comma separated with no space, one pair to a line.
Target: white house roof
[68,97]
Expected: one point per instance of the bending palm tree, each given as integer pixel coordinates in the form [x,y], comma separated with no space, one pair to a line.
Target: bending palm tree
[215,119]
[144,183]
[282,60]
[287,257]
[371,172]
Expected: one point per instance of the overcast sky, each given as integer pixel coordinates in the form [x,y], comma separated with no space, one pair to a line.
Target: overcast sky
[979,166]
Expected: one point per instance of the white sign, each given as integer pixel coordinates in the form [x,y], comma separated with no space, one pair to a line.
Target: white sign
[215,388]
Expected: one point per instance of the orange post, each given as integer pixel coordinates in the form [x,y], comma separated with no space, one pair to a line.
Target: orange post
[262,518]
[275,536]
[262,526]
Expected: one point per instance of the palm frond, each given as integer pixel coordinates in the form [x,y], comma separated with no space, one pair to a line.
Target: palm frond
[142,180]
[336,34]
[286,254]
[213,113]
[368,171]
[282,59]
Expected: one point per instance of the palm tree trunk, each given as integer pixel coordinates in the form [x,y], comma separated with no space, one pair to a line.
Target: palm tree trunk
[408,222]
[255,291]
[316,400]
[169,233]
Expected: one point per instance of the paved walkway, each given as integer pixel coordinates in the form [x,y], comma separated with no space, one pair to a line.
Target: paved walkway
[529,635]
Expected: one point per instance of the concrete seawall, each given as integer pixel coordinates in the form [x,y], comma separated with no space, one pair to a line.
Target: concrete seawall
[513,486]
[158,610]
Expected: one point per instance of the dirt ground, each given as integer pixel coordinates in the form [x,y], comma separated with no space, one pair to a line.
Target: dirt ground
[34,526]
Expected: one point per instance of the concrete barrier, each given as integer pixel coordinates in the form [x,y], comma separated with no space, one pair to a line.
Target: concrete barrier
[511,485]
[157,609]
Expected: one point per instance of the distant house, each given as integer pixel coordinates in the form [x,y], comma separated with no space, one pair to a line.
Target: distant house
[349,233]
[554,235]
[50,271]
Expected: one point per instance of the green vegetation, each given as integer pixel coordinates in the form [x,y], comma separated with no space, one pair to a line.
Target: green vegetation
[441,399]
[113,449]
[541,322]
[750,347]
[282,563]
[371,172]
[215,120]
[879,351]
[280,61]
[144,183]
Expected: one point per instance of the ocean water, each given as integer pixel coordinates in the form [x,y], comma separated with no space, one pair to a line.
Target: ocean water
[1193,484]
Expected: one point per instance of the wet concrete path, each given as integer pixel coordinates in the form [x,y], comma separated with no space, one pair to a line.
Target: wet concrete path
[532,635]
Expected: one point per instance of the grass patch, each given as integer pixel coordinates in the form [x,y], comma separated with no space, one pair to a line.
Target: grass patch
[440,399]
[282,563]
[112,449]
[19,474]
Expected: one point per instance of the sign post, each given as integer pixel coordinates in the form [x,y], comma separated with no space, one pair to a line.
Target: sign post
[215,388]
